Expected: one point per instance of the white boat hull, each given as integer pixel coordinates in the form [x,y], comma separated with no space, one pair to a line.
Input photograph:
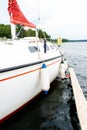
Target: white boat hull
[19,86]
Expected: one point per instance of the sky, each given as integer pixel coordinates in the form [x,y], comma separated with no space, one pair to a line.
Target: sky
[59,18]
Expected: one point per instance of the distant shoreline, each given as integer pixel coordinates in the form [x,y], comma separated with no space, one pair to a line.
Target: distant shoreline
[66,40]
[77,40]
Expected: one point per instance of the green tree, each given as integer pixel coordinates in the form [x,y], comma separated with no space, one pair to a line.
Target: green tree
[43,34]
[5,31]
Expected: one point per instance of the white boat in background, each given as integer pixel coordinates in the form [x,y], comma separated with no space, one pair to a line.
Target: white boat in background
[27,66]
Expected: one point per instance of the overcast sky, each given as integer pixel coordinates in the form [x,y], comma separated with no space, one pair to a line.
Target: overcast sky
[65,18]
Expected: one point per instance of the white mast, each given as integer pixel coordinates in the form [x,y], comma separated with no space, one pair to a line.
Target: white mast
[13,31]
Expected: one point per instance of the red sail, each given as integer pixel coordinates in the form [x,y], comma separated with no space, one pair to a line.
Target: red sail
[16,15]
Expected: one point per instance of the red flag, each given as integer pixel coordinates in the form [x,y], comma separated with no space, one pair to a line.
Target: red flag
[16,15]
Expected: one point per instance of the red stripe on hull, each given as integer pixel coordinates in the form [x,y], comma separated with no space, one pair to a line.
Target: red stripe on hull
[26,72]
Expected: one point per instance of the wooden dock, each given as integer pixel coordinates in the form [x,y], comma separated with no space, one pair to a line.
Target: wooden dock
[80,100]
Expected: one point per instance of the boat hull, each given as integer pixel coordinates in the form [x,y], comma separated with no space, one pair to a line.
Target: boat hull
[19,85]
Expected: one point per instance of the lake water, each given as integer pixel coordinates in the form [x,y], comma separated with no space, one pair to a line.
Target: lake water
[55,111]
[77,58]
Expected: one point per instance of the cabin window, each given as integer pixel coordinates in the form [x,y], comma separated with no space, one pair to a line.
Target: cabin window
[33,49]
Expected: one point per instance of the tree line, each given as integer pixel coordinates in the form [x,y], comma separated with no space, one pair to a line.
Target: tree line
[5,31]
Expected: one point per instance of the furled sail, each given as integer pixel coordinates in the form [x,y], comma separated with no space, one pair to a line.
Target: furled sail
[16,15]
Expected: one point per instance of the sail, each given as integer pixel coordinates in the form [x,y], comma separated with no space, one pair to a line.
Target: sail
[16,15]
